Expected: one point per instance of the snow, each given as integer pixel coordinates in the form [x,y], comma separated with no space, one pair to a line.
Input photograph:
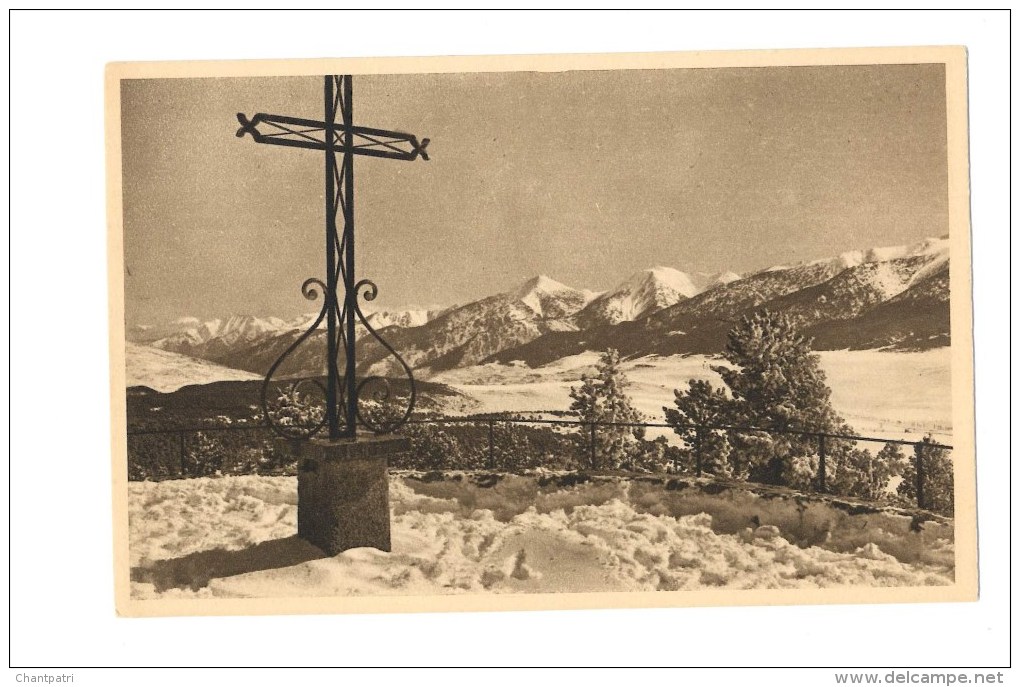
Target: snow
[234,537]
[642,293]
[209,329]
[667,276]
[937,263]
[400,318]
[886,280]
[165,371]
[532,290]
[535,292]
[541,283]
[244,328]
[936,248]
[900,395]
[931,246]
[722,279]
[889,394]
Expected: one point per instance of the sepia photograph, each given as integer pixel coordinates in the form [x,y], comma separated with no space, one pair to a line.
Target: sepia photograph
[541,332]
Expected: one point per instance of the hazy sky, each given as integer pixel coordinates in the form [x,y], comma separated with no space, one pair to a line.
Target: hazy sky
[583,176]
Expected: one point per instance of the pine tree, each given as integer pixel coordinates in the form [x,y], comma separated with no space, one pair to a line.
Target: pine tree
[777,384]
[698,409]
[936,478]
[602,398]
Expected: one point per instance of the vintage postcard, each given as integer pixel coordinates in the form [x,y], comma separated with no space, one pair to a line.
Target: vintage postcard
[541,332]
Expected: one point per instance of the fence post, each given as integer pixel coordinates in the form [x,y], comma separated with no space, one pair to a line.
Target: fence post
[697,450]
[821,463]
[184,457]
[919,472]
[492,457]
[872,486]
[592,445]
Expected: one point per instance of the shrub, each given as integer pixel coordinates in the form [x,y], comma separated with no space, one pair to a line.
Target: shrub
[511,448]
[432,448]
[295,409]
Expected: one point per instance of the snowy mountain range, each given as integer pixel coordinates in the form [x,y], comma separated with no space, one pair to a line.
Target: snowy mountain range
[880,297]
[217,339]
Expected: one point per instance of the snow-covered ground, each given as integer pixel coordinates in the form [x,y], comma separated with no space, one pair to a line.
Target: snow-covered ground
[901,395]
[235,537]
[884,394]
[166,371]
[893,394]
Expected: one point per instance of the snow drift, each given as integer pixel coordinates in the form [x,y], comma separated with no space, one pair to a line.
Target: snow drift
[462,533]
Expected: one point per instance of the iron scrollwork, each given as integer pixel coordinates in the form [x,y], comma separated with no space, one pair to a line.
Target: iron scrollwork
[295,408]
[384,422]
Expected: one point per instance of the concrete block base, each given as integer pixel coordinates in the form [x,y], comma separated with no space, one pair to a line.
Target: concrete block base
[343,490]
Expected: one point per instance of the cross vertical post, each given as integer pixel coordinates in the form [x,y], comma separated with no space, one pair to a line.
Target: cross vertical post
[337,91]
[351,291]
[332,421]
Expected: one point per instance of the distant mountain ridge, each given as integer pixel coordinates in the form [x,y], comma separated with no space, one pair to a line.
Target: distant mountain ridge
[219,339]
[880,297]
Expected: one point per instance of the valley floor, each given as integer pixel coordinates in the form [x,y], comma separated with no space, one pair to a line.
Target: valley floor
[899,395]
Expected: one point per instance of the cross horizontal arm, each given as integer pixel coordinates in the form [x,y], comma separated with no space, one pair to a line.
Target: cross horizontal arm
[295,132]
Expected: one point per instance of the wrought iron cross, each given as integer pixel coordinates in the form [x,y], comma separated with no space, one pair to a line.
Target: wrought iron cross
[332,137]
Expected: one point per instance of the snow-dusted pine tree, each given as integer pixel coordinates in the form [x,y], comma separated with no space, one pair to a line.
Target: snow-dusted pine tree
[602,398]
[699,408]
[935,479]
[777,384]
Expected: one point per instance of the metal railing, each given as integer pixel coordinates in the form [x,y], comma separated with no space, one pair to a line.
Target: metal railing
[591,430]
[181,441]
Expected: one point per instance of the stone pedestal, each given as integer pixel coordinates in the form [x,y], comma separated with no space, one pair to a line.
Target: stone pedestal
[343,490]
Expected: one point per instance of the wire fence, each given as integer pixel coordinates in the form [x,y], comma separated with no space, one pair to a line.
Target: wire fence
[502,443]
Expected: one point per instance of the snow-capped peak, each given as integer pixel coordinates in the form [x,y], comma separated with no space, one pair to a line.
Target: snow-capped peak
[399,318]
[191,332]
[704,281]
[540,283]
[549,298]
[722,278]
[659,278]
[404,318]
[932,247]
[642,293]
[241,328]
